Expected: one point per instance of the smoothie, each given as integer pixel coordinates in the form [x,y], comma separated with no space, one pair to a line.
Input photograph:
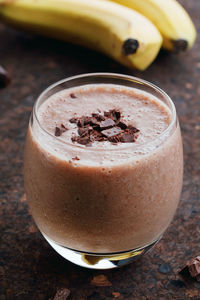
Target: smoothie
[103,171]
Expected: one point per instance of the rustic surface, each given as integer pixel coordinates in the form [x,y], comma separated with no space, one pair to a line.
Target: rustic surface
[29,267]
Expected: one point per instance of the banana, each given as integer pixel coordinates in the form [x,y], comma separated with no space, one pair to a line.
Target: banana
[170,18]
[119,32]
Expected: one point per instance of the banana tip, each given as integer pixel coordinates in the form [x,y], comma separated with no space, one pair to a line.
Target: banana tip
[180,45]
[130,46]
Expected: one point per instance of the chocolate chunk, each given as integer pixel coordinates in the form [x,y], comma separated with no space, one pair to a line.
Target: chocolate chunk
[80,122]
[127,137]
[64,127]
[192,268]
[132,129]
[116,114]
[101,118]
[83,130]
[72,95]
[58,131]
[75,158]
[98,117]
[113,114]
[94,121]
[107,127]
[107,114]
[4,78]
[108,123]
[73,120]
[84,121]
[114,139]
[111,132]
[81,140]
[96,136]
[122,125]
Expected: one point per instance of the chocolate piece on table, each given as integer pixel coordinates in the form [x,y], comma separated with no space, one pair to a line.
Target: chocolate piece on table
[4,78]
[192,268]
[62,294]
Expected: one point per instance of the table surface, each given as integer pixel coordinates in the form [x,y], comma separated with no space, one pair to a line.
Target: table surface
[29,267]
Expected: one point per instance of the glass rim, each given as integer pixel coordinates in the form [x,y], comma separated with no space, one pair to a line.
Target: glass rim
[107,75]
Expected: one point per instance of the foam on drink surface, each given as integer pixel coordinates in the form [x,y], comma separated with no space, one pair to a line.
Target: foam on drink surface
[139,109]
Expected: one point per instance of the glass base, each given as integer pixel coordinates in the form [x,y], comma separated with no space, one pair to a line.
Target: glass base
[99,261]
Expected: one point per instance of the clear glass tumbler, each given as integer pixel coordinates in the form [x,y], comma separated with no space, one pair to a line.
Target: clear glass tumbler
[103,216]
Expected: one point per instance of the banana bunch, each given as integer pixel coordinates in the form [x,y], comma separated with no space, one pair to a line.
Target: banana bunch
[124,32]
[170,18]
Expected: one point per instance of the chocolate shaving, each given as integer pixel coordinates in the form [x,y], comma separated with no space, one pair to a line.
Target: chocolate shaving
[75,158]
[132,129]
[64,127]
[57,131]
[72,95]
[107,127]
[60,130]
[192,268]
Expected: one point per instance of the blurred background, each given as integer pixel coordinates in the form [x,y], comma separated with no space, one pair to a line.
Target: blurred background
[29,268]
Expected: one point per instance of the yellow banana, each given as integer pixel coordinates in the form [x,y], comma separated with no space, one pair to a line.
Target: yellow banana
[170,18]
[121,33]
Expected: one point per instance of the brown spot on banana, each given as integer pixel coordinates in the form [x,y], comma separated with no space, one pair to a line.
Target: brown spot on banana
[130,46]
[180,45]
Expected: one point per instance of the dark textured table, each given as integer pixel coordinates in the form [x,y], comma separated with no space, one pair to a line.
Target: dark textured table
[29,267]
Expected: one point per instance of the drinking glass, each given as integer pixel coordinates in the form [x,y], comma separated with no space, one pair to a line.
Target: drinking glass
[113,205]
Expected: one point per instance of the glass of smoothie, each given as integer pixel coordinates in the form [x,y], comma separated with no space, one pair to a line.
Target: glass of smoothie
[103,167]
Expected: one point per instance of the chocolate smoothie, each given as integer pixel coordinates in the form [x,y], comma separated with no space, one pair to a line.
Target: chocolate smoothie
[103,168]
